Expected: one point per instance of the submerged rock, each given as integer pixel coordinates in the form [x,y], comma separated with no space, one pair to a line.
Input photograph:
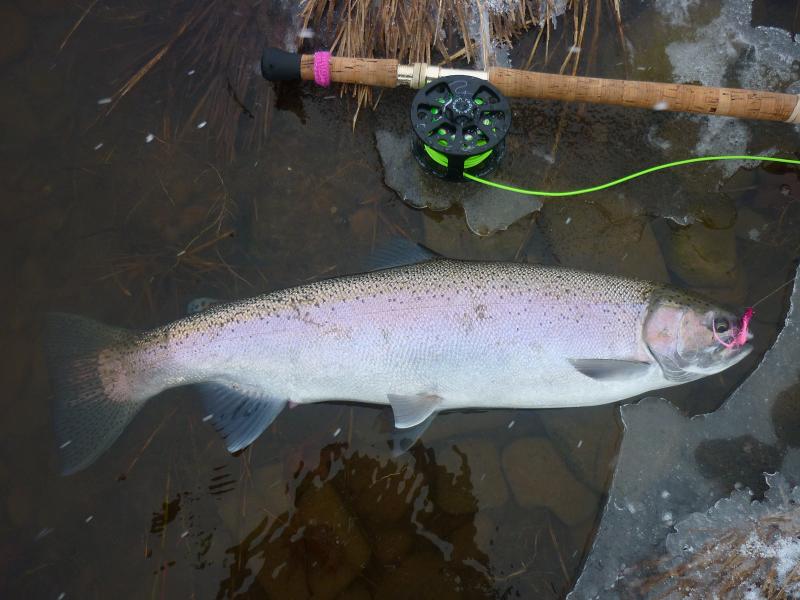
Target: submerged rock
[589,449]
[338,547]
[391,544]
[609,235]
[383,491]
[703,257]
[486,209]
[538,477]
[469,477]
[422,576]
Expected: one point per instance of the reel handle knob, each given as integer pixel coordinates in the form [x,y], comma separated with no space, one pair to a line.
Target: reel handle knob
[279,65]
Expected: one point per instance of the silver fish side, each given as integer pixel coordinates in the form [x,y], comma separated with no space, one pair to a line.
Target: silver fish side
[438,335]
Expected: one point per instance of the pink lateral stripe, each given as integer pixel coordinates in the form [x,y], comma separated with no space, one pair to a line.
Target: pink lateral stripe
[322,68]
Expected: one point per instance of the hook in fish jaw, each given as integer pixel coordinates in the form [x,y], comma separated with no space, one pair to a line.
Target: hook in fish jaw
[741,337]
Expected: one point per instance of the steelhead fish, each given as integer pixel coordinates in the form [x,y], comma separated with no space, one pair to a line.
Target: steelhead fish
[427,337]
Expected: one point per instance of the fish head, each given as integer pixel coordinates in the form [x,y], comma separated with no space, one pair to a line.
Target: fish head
[692,338]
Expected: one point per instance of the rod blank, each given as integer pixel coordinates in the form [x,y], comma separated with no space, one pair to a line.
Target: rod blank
[676,97]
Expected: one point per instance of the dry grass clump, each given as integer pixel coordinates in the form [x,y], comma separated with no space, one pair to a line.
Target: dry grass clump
[758,562]
[416,30]
[219,42]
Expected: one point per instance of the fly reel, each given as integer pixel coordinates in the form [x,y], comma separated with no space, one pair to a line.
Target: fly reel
[460,124]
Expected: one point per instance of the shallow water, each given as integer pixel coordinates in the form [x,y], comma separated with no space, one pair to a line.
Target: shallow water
[98,220]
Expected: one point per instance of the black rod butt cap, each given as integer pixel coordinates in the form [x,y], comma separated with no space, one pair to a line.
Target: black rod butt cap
[279,65]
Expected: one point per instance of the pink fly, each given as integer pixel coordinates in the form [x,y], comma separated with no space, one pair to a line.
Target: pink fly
[741,336]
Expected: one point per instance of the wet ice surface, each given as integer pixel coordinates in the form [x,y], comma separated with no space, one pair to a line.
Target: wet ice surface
[740,547]
[761,57]
[670,467]
[734,53]
[487,210]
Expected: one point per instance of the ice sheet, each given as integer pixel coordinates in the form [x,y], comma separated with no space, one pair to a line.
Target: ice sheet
[729,51]
[663,473]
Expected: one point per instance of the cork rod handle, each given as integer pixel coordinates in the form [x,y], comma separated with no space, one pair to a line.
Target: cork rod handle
[730,102]
[381,72]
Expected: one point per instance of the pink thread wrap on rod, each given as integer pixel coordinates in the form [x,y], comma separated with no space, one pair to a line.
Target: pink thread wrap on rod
[322,68]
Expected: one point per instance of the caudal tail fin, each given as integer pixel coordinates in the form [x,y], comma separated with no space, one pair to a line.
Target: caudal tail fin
[95,395]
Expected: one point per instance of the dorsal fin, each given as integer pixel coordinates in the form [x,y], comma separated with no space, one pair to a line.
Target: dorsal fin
[399,252]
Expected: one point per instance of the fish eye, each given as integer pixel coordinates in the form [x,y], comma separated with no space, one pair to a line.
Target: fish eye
[722,325]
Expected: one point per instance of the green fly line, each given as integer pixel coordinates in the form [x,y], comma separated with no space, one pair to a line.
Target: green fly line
[473,161]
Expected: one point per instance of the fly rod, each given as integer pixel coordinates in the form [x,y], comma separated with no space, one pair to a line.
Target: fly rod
[323,68]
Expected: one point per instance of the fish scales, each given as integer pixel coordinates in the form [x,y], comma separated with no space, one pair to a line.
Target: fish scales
[410,329]
[433,336]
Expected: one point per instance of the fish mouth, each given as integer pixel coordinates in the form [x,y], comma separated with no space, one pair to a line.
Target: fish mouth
[724,359]
[730,357]
[738,353]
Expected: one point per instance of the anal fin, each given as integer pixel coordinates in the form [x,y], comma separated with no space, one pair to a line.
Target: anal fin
[238,414]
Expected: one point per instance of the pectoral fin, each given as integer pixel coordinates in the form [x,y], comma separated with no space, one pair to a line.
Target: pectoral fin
[673,371]
[239,415]
[603,369]
[413,410]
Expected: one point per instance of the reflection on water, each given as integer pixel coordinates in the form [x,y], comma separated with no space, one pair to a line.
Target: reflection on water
[98,220]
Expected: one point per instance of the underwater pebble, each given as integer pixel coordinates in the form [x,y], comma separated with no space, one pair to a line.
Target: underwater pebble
[384,493]
[539,477]
[599,236]
[469,477]
[328,521]
[421,575]
[703,257]
[391,545]
[587,442]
